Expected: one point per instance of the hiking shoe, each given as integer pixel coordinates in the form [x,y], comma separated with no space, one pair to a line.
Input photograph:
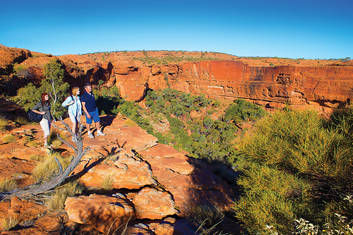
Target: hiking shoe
[90,135]
[99,133]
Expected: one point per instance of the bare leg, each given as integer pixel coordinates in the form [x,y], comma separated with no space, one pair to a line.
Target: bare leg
[74,127]
[98,126]
[88,127]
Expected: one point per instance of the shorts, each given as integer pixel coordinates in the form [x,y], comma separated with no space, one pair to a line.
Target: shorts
[94,116]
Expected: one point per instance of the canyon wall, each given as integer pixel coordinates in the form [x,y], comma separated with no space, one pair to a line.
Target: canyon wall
[300,86]
[273,82]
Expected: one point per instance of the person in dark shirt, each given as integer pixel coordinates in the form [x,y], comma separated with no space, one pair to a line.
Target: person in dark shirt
[43,108]
[91,111]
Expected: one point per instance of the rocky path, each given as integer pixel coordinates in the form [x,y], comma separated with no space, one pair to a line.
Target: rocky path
[132,184]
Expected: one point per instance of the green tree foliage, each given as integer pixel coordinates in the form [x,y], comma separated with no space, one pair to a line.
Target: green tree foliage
[212,140]
[134,112]
[107,99]
[55,86]
[294,165]
[177,103]
[28,96]
[242,110]
[205,138]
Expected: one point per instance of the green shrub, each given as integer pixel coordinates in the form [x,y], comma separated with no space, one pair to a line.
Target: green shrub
[212,140]
[8,138]
[3,124]
[7,185]
[242,110]
[21,120]
[292,167]
[47,168]
[28,96]
[177,103]
[108,99]
[58,198]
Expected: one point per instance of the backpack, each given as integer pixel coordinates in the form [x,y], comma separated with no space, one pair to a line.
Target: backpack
[34,117]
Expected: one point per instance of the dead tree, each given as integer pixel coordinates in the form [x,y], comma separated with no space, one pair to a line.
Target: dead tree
[61,176]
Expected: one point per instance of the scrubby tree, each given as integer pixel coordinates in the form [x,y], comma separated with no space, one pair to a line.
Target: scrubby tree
[55,86]
[27,96]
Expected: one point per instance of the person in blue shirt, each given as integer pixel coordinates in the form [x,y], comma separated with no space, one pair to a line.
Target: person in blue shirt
[91,111]
[75,110]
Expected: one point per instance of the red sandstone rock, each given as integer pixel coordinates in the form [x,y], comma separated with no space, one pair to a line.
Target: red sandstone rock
[269,81]
[165,156]
[50,223]
[10,55]
[104,213]
[152,204]
[124,171]
[20,211]
[190,186]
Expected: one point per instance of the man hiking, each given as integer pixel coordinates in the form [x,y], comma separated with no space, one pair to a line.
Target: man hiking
[91,111]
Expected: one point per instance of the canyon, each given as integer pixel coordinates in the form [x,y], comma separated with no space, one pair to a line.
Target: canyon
[322,85]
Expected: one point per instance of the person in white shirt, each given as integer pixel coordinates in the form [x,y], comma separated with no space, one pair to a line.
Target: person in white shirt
[75,110]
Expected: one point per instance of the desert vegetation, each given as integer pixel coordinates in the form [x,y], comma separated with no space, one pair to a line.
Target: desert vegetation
[53,84]
[294,169]
[295,165]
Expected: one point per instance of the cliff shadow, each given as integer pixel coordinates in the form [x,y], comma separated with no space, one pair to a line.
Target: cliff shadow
[211,197]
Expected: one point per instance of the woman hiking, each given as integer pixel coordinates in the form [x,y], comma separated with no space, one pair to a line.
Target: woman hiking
[75,110]
[43,108]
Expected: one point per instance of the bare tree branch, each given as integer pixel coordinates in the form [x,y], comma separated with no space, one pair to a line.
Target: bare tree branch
[59,165]
[56,180]
[67,143]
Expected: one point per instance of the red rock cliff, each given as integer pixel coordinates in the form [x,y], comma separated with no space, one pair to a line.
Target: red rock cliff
[325,86]
[274,82]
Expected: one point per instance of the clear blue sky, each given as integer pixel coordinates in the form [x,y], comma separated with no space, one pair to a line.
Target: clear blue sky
[283,28]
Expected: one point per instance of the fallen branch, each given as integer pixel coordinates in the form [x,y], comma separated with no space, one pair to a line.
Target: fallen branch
[56,180]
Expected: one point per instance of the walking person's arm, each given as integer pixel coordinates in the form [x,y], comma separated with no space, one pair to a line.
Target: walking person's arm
[85,110]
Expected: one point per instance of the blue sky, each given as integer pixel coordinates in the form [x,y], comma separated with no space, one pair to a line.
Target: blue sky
[283,28]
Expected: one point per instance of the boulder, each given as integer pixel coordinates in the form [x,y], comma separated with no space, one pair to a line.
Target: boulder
[152,204]
[119,171]
[103,213]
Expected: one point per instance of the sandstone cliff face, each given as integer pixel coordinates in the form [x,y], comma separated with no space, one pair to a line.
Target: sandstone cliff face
[273,82]
[300,86]
[279,85]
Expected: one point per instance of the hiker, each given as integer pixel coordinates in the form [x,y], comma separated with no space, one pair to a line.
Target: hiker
[43,108]
[91,111]
[74,109]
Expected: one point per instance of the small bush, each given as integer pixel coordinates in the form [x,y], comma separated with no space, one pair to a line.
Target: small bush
[294,165]
[8,139]
[7,184]
[36,157]
[3,124]
[206,219]
[44,170]
[33,143]
[9,223]
[54,139]
[57,200]
[107,183]
[21,120]
[242,110]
